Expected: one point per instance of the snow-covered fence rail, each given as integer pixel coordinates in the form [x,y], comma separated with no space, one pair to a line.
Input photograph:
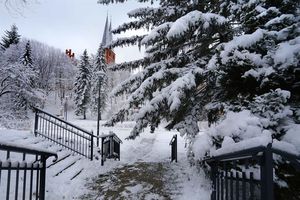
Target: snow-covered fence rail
[22,172]
[249,174]
[173,144]
[63,133]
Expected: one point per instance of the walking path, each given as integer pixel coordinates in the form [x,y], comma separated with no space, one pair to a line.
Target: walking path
[144,172]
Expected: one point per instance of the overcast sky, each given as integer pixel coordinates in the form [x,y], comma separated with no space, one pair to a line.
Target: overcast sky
[75,24]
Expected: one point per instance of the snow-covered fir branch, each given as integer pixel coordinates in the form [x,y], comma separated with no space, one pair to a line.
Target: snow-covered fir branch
[127,41]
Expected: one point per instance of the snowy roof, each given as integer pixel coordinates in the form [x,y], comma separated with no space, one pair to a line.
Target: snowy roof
[107,34]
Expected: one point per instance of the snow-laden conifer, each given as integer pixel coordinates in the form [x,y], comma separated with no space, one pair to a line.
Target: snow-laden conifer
[259,68]
[16,82]
[27,61]
[26,58]
[215,60]
[11,37]
[83,85]
[99,82]
[178,48]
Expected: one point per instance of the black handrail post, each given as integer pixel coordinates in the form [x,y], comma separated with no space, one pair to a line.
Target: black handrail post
[175,148]
[92,146]
[119,152]
[267,186]
[99,112]
[102,152]
[173,144]
[43,178]
[36,122]
[213,178]
[98,124]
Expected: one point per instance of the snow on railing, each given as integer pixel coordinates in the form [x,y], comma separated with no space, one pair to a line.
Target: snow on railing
[249,173]
[22,171]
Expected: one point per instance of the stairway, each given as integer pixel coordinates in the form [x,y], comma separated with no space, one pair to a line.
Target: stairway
[74,146]
[67,164]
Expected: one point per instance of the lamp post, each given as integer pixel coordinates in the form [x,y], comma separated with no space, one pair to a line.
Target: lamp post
[99,112]
[66,108]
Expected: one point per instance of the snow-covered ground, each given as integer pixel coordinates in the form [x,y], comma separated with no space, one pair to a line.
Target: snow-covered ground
[182,181]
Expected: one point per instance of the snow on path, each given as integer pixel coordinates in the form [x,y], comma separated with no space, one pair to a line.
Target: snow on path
[147,147]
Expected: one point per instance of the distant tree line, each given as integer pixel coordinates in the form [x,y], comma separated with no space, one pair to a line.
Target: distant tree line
[29,70]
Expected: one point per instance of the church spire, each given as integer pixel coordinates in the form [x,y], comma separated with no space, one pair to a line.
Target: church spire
[107,35]
[110,55]
[110,37]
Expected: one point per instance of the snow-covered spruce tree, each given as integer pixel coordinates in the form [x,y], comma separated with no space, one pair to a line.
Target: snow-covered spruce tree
[83,85]
[229,57]
[99,81]
[259,67]
[27,61]
[25,95]
[172,85]
[11,37]
[26,58]
[257,75]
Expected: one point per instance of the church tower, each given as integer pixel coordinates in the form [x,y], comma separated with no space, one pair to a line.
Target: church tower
[110,55]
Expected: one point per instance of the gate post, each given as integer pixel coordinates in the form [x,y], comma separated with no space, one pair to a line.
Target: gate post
[102,151]
[36,119]
[173,144]
[213,174]
[175,148]
[43,178]
[92,145]
[266,174]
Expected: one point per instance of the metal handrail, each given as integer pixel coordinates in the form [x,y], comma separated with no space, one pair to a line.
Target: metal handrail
[262,156]
[54,129]
[68,123]
[22,169]
[249,153]
[235,155]
[22,149]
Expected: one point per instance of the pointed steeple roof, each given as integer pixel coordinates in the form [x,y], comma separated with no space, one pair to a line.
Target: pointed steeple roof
[110,37]
[107,34]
